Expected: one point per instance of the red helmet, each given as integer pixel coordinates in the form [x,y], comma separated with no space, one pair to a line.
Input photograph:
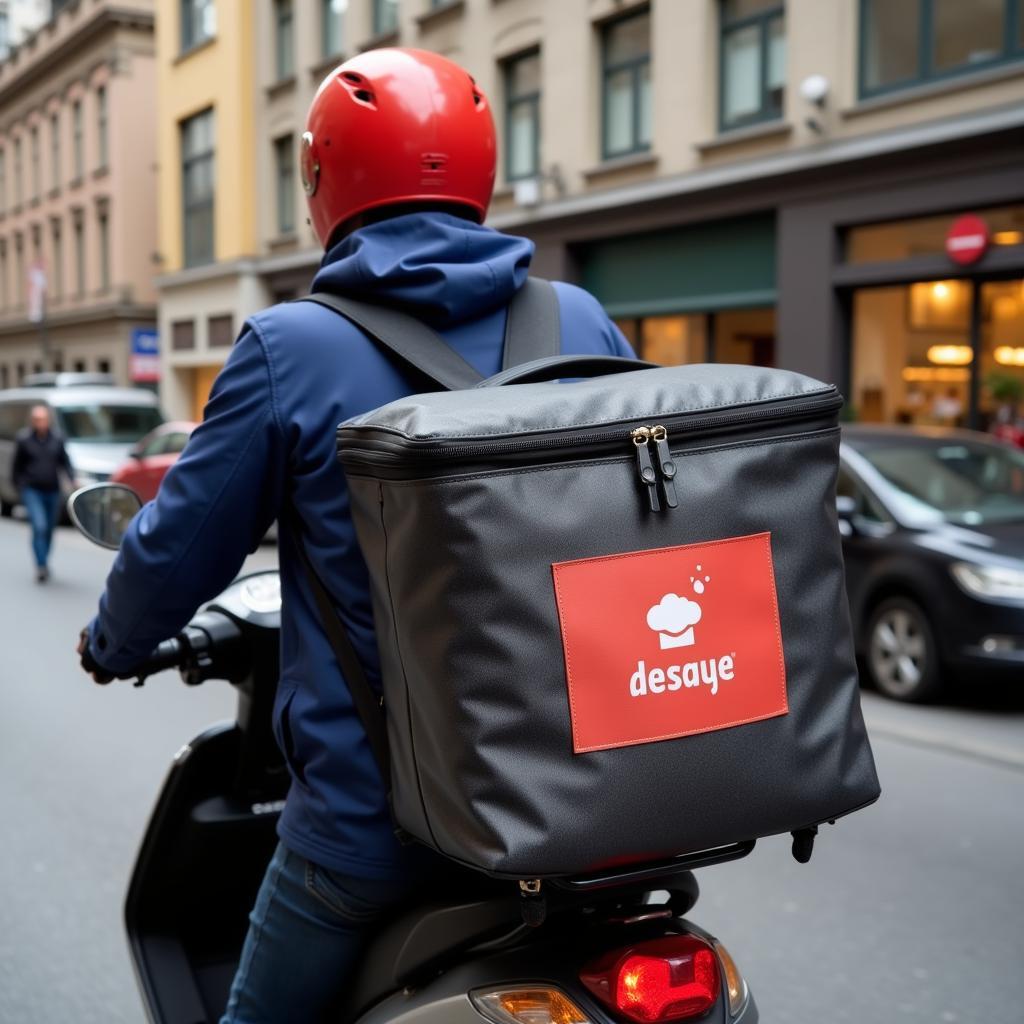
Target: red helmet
[396,126]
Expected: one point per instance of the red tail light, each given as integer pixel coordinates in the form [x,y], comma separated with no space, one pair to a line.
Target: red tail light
[673,978]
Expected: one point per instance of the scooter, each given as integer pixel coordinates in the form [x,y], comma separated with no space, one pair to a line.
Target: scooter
[604,949]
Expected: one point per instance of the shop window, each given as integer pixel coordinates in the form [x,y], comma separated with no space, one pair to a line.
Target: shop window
[626,85]
[197,170]
[1001,396]
[667,340]
[198,22]
[926,236]
[905,43]
[385,17]
[522,116]
[744,336]
[912,355]
[284,39]
[753,62]
[332,30]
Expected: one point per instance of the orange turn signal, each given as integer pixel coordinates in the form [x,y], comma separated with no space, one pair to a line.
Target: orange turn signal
[528,1006]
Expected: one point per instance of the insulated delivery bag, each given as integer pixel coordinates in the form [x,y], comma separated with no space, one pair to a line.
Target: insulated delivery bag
[611,615]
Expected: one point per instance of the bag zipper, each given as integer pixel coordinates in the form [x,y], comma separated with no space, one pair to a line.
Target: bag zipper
[394,448]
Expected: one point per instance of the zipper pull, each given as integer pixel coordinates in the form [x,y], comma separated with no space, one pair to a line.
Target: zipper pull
[648,474]
[659,435]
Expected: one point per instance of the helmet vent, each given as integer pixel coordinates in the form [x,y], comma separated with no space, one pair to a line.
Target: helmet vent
[351,76]
[477,98]
[363,95]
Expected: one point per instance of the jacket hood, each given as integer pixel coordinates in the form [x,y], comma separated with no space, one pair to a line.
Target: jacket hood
[437,266]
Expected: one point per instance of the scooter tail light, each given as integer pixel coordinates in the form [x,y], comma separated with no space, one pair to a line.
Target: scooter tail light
[528,1005]
[672,978]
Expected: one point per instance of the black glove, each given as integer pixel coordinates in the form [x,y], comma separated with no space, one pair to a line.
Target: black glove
[88,662]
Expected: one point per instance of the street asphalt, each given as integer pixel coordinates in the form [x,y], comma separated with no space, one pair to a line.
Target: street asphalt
[912,910]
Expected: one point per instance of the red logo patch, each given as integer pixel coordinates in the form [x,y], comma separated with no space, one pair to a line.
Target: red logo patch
[671,642]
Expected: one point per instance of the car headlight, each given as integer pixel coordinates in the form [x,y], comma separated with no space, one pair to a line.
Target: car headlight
[990,581]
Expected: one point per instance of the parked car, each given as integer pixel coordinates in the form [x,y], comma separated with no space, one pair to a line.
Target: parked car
[933,526]
[99,423]
[150,459]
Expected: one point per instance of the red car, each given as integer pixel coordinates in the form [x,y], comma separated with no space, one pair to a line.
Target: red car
[150,459]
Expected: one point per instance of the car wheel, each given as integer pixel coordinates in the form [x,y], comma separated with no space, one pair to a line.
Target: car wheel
[903,660]
[6,509]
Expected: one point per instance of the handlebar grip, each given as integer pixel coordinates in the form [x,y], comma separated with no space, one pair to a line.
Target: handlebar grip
[169,654]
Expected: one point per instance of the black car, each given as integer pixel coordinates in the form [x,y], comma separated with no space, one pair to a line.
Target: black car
[933,538]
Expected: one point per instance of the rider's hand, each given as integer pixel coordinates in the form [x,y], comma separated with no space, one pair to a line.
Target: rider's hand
[88,662]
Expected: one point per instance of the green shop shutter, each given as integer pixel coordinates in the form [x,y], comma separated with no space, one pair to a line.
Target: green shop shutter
[726,264]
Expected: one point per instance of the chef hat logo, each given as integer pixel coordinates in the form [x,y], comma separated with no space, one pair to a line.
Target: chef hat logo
[673,619]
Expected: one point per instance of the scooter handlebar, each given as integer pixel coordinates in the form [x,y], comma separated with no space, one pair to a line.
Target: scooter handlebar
[170,654]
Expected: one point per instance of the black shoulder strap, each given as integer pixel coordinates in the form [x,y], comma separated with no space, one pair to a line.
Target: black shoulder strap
[531,332]
[369,706]
[532,327]
[411,340]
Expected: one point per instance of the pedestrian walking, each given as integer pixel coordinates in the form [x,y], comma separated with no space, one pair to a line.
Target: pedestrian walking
[39,459]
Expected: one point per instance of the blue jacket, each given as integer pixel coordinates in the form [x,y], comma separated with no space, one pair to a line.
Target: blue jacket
[267,442]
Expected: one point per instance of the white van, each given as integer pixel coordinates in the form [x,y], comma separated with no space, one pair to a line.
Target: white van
[99,423]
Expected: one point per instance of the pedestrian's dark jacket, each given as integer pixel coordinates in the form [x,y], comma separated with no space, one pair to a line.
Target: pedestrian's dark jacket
[38,461]
[267,446]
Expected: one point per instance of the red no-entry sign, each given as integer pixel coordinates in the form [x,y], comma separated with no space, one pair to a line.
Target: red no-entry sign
[967,239]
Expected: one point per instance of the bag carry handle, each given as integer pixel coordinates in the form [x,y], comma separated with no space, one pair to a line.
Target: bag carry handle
[556,367]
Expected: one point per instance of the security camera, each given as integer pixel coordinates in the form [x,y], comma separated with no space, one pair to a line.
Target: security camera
[814,89]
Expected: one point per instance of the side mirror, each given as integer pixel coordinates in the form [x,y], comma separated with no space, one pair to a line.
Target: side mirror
[135,453]
[846,509]
[102,512]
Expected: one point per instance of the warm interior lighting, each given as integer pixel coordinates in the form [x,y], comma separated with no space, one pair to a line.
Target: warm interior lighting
[950,355]
[1008,237]
[936,374]
[940,291]
[1007,355]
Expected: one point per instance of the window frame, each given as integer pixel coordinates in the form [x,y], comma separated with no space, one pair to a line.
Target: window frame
[55,154]
[382,29]
[192,33]
[763,21]
[531,99]
[36,162]
[1013,16]
[330,17]
[77,139]
[284,184]
[102,127]
[284,57]
[189,207]
[635,65]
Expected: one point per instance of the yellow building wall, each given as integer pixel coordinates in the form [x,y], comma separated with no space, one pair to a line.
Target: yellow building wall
[216,74]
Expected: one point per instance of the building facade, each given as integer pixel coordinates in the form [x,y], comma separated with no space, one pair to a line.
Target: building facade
[737,180]
[18,20]
[77,180]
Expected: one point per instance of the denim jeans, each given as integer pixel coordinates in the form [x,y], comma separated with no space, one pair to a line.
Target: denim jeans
[42,509]
[306,933]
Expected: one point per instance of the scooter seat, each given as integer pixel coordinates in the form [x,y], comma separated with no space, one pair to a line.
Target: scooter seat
[413,945]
